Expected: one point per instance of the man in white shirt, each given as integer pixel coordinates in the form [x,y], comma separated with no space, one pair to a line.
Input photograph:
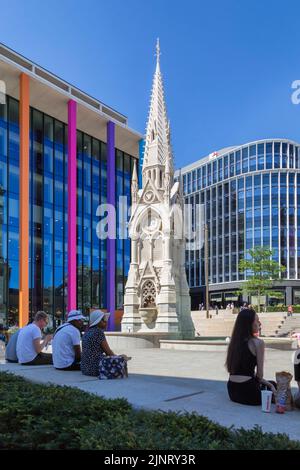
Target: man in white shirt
[66,343]
[30,344]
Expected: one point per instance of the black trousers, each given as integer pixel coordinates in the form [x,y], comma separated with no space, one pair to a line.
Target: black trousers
[246,393]
[297,372]
[74,366]
[41,359]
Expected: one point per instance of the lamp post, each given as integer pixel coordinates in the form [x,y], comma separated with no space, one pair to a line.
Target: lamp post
[206,269]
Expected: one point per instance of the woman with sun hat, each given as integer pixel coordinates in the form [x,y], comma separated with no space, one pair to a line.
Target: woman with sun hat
[97,358]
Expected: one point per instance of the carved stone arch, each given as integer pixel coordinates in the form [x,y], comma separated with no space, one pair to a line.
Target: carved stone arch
[144,247]
[148,294]
[177,221]
[137,226]
[157,240]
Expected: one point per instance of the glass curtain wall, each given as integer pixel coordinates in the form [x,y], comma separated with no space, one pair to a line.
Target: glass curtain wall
[9,211]
[4,270]
[48,225]
[252,198]
[88,244]
[48,212]
[124,168]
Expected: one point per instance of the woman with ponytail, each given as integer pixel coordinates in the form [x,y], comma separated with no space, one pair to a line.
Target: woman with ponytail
[245,361]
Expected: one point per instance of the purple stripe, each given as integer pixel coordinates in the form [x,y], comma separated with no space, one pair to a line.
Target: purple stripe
[72,184]
[111,242]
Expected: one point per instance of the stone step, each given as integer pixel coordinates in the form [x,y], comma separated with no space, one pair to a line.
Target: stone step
[290,324]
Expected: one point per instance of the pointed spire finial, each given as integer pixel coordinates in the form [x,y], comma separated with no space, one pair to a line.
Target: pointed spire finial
[134,175]
[134,184]
[157,50]
[157,146]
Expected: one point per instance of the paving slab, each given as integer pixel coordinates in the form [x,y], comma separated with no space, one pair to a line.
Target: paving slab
[192,381]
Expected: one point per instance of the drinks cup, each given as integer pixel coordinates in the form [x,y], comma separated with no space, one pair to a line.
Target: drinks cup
[266,400]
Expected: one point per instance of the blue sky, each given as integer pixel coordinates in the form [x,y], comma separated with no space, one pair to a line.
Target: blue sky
[227,65]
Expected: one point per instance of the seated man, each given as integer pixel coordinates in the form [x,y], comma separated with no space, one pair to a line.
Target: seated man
[29,344]
[11,347]
[2,333]
[66,343]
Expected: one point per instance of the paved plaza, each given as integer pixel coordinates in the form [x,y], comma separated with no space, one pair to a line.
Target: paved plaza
[193,381]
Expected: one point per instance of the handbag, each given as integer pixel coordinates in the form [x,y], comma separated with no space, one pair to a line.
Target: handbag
[112,367]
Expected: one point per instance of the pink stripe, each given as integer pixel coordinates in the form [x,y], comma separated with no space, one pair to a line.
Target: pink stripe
[72,185]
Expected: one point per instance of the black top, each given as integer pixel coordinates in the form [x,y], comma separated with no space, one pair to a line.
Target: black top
[247,362]
[92,351]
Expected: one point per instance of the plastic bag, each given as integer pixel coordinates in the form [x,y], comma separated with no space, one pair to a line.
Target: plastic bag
[284,399]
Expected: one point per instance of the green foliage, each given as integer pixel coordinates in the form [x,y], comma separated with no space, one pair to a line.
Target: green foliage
[12,330]
[282,308]
[261,272]
[34,416]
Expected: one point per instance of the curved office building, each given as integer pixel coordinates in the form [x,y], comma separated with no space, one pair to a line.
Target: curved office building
[251,197]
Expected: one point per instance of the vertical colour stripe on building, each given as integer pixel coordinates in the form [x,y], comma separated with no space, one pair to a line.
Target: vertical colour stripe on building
[72,194]
[111,242]
[24,201]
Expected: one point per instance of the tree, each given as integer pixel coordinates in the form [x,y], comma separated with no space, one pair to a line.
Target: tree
[260,272]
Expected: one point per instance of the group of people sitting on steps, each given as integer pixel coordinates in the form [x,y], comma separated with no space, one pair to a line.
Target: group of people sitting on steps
[93,358]
[244,362]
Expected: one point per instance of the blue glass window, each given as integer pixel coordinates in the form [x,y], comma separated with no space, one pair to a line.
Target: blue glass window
[291,154]
[231,160]
[189,177]
[257,237]
[241,183]
[276,154]
[260,156]
[275,190]
[220,169]
[291,190]
[249,198]
[284,156]
[297,155]
[209,181]
[185,184]
[269,155]
[199,178]
[252,161]
[3,136]
[257,191]
[226,167]
[13,130]
[245,160]
[204,182]
[13,178]
[238,162]
[194,180]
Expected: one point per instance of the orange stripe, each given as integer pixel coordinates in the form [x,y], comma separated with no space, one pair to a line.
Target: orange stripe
[24,200]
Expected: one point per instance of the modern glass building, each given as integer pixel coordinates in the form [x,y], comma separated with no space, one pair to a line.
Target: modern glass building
[251,197]
[62,154]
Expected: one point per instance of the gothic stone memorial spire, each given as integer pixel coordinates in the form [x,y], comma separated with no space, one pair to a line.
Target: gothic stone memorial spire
[157,294]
